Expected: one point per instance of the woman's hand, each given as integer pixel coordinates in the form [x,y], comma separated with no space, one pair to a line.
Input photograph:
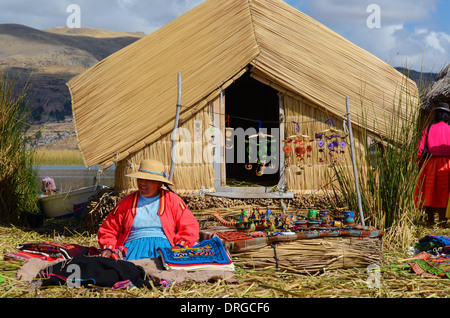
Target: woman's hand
[106,253]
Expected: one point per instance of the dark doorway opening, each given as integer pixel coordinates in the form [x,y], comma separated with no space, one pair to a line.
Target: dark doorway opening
[251,107]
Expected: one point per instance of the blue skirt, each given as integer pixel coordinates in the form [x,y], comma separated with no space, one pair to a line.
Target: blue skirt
[145,247]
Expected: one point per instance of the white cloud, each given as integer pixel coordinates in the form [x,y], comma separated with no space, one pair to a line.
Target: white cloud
[355,11]
[422,48]
[438,40]
[405,36]
[406,30]
[118,15]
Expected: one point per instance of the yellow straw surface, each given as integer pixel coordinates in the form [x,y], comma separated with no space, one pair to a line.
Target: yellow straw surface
[128,101]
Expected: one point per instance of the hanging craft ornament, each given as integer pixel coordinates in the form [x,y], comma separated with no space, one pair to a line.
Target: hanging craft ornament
[320,143]
[343,145]
[287,149]
[334,142]
[299,151]
[260,169]
[309,150]
[229,132]
[258,146]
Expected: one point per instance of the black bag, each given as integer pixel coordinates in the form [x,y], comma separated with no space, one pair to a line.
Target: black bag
[97,271]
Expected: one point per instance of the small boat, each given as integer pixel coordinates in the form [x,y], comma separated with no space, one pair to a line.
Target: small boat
[59,205]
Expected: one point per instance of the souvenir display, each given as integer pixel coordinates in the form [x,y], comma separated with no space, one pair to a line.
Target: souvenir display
[332,145]
[251,230]
[312,214]
[254,220]
[349,217]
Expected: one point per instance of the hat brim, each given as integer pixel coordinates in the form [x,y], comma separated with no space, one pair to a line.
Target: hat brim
[148,176]
[442,108]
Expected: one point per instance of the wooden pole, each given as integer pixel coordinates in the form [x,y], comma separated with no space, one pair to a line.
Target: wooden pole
[175,128]
[355,172]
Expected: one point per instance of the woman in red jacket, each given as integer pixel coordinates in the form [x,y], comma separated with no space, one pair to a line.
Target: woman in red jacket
[149,218]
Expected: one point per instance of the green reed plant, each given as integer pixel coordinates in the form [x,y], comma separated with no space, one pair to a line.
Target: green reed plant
[18,186]
[387,171]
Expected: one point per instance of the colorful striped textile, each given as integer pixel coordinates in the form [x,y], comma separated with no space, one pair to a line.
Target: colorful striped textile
[426,264]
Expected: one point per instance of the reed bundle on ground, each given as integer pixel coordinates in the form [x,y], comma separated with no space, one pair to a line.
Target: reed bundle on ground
[99,207]
[316,255]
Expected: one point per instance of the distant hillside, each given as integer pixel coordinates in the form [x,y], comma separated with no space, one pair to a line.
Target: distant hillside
[47,59]
[422,79]
[96,33]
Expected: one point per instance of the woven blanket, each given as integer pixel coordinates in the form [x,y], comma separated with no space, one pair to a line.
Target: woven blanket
[426,264]
[434,244]
[50,251]
[208,254]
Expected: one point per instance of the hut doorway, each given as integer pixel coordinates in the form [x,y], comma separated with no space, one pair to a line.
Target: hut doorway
[251,133]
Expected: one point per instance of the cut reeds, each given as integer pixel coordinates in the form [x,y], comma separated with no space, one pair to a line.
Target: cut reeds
[316,255]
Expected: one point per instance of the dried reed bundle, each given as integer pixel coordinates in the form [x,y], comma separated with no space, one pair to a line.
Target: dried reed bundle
[99,207]
[316,255]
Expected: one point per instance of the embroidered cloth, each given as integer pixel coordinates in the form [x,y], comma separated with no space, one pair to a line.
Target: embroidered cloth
[208,254]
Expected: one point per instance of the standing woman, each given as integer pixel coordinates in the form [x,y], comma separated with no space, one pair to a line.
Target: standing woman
[149,218]
[433,188]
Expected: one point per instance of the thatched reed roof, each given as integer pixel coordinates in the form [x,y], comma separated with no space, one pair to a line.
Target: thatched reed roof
[128,100]
[439,90]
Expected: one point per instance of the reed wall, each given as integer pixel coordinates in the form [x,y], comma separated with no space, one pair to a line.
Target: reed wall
[315,172]
[192,171]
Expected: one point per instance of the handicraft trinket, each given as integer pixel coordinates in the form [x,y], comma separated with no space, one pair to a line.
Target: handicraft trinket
[259,149]
[349,217]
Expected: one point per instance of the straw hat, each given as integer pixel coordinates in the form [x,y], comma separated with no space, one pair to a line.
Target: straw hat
[151,170]
[443,106]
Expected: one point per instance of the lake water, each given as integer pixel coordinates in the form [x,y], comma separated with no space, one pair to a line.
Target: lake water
[74,177]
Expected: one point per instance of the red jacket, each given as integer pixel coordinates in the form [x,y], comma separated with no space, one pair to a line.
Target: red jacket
[178,222]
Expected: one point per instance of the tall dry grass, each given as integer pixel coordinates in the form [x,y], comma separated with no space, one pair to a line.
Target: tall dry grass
[388,173]
[58,157]
[18,189]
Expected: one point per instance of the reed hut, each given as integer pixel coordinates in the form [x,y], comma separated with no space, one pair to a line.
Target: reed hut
[439,90]
[259,65]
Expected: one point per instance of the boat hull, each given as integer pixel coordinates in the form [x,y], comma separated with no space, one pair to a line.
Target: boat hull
[62,204]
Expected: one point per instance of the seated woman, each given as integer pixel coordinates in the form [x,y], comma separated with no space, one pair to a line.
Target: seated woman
[149,218]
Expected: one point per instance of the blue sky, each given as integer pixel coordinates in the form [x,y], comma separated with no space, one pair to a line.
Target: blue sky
[411,33]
